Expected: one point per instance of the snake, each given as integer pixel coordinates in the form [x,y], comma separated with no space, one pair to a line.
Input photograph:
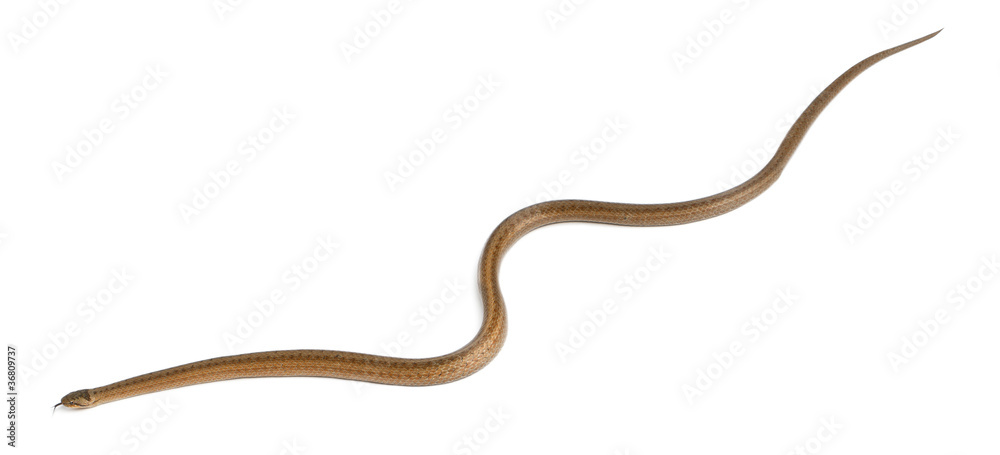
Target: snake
[490,338]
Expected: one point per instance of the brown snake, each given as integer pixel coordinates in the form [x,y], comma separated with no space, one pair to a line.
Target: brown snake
[486,344]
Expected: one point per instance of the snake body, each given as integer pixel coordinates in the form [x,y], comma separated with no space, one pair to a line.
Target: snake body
[488,341]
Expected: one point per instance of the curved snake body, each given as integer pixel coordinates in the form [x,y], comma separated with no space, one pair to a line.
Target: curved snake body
[487,342]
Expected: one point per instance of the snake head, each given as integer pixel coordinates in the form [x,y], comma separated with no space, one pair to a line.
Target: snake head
[78,399]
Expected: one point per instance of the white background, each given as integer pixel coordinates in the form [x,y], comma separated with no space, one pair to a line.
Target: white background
[828,357]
